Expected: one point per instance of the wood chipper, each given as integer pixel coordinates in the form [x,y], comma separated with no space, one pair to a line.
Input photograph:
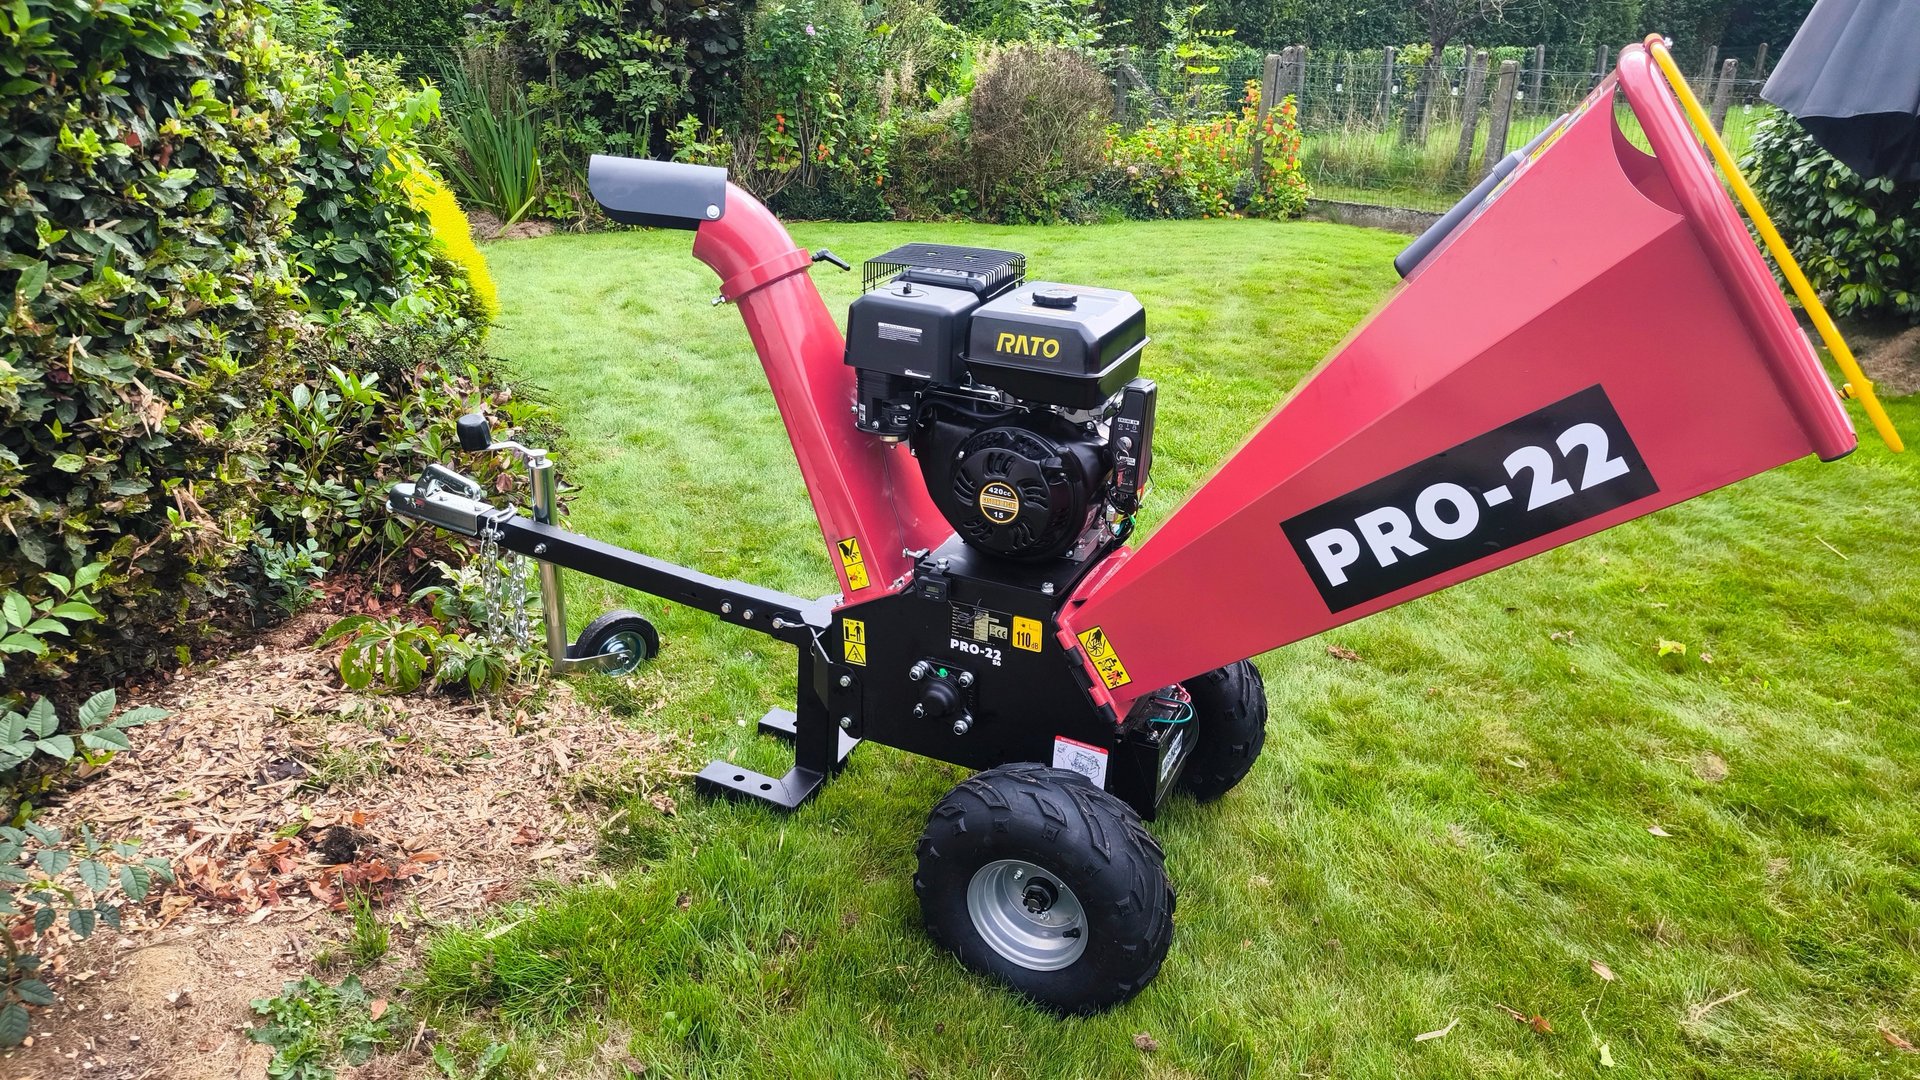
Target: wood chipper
[1587,338]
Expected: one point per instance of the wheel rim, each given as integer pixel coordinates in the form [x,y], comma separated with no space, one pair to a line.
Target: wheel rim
[631,649]
[1027,914]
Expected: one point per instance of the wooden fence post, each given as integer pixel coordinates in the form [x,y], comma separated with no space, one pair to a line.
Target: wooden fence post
[1721,92]
[1600,62]
[1539,71]
[1500,116]
[1299,76]
[1760,62]
[1470,110]
[1386,82]
[1705,89]
[1269,85]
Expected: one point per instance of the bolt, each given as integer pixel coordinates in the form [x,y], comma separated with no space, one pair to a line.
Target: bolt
[1046,587]
[747,614]
[539,549]
[964,724]
[1018,874]
[918,671]
[846,681]
[726,608]
[919,710]
[846,723]
[779,623]
[966,678]
[941,564]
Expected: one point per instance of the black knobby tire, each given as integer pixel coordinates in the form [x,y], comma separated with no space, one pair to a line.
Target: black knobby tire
[1084,845]
[1230,722]
[629,629]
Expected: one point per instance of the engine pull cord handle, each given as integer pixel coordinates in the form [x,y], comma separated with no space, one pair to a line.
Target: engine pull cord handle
[1858,386]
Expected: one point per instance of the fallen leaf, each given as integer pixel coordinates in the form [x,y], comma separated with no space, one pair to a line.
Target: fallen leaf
[1602,970]
[1895,1040]
[1437,1033]
[1606,1055]
[1658,831]
[1145,1043]
[1541,1024]
[378,1009]
[1668,648]
[1341,652]
[662,802]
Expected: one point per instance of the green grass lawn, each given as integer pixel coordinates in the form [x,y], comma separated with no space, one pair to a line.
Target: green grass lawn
[1456,822]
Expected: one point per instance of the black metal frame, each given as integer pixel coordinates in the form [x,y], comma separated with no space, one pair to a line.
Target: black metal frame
[1001,703]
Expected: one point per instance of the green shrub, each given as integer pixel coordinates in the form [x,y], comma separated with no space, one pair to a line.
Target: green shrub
[174,440]
[609,78]
[147,161]
[809,95]
[1858,240]
[1038,117]
[1204,168]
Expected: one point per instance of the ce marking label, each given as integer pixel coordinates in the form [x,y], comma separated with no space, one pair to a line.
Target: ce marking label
[1549,469]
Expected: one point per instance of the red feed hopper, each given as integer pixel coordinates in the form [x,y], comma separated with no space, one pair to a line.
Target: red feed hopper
[1600,339]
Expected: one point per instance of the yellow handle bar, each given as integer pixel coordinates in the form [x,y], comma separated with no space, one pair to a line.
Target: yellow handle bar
[1858,386]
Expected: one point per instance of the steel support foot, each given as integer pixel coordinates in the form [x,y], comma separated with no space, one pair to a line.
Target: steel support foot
[723,780]
[782,724]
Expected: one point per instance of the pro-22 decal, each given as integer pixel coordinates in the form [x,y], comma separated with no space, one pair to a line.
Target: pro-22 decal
[1549,469]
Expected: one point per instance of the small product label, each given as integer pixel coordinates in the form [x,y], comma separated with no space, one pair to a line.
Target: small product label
[1105,660]
[851,562]
[999,503]
[1084,758]
[979,624]
[853,643]
[895,332]
[1026,633]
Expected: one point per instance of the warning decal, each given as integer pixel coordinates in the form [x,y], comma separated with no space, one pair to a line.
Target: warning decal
[1026,633]
[1086,759]
[853,641]
[1105,660]
[851,562]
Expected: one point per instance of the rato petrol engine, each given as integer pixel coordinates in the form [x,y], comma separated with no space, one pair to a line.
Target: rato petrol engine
[1020,399]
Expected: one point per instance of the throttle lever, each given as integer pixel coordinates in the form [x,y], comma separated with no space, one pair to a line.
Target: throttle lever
[827,255]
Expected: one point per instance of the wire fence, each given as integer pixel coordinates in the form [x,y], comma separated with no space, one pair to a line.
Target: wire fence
[1375,130]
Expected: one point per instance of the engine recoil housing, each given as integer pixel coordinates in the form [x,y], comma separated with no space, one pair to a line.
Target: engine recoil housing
[1021,485]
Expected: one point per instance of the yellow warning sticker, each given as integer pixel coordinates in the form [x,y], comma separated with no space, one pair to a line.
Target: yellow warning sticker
[853,641]
[1105,660]
[1026,633]
[851,562]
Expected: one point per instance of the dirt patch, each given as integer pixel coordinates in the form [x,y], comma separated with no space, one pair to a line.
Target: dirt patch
[1889,352]
[277,796]
[487,227]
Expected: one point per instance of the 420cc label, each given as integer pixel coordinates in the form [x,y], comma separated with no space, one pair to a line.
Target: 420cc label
[1549,469]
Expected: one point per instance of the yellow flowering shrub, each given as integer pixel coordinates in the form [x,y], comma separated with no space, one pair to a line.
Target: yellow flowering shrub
[454,232]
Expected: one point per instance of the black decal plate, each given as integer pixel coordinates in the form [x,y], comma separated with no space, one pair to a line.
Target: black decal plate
[1549,469]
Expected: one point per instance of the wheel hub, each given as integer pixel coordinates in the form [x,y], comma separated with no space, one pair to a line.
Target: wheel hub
[1027,915]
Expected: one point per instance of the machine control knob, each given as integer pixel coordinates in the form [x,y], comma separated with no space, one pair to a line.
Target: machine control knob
[941,698]
[1055,298]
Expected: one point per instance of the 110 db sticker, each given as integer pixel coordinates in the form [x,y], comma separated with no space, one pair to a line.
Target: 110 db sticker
[1547,470]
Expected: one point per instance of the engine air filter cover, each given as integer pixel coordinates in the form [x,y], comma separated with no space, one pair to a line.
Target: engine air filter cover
[1069,345]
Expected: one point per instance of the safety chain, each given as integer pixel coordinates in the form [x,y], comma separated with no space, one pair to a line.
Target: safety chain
[503,583]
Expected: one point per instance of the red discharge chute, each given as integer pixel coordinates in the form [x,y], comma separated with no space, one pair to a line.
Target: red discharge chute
[1600,340]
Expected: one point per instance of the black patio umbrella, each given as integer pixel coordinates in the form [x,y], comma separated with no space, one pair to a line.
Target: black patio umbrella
[1852,79]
